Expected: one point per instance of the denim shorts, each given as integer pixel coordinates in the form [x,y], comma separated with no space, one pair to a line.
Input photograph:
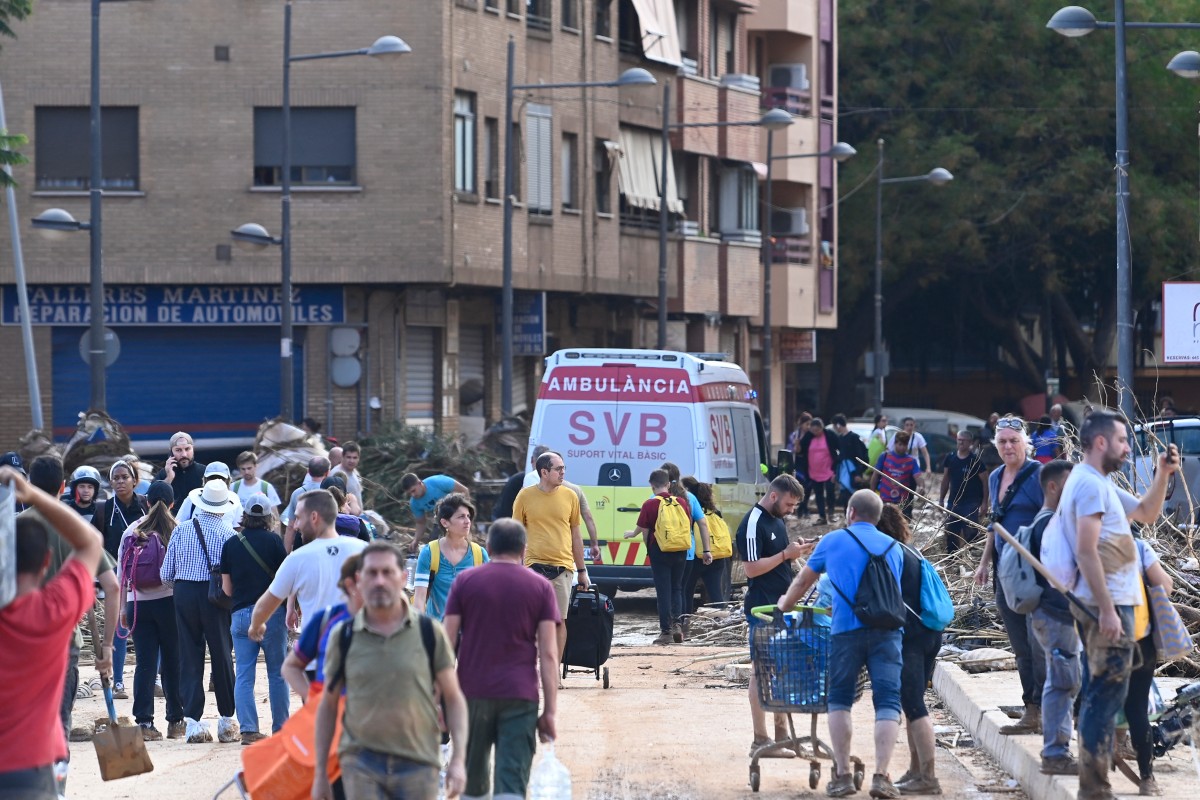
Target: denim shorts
[880,651]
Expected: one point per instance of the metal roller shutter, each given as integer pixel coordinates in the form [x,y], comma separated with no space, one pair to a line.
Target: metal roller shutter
[420,376]
[471,384]
[218,384]
[520,396]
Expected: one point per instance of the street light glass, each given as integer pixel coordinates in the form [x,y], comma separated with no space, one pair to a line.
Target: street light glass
[1186,64]
[937,176]
[56,223]
[636,76]
[1072,21]
[842,152]
[776,119]
[251,237]
[388,46]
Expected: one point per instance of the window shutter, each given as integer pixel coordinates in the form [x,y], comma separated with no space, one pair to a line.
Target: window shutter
[538,167]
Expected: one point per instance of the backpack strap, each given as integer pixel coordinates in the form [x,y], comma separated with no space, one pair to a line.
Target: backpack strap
[1011,494]
[246,544]
[344,641]
[435,558]
[477,552]
[429,640]
[233,487]
[886,550]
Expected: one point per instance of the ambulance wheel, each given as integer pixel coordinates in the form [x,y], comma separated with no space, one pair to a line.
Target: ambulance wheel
[606,677]
[754,778]
[814,775]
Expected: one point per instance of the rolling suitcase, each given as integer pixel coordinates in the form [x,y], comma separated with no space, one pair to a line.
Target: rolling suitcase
[589,621]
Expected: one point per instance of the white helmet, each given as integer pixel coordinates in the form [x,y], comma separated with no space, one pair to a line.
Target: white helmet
[86,474]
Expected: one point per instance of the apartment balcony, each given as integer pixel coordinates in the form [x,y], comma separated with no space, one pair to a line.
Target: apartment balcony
[797,102]
[791,249]
[742,143]
[801,137]
[793,296]
[793,16]
[698,100]
[741,279]
[698,277]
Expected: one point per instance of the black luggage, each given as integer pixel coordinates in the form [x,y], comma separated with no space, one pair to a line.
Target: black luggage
[590,617]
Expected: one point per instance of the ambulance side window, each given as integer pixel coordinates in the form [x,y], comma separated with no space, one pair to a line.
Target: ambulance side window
[746,435]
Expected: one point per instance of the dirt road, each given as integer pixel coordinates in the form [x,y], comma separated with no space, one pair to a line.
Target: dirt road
[667,729]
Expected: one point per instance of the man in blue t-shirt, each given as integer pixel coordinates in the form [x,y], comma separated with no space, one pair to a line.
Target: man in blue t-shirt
[853,645]
[425,495]
[766,553]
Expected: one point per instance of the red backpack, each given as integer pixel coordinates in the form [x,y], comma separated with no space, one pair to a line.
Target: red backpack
[142,560]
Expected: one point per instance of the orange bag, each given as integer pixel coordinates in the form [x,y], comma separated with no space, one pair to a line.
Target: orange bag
[281,767]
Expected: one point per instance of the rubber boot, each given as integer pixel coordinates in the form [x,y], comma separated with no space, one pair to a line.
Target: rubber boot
[1030,722]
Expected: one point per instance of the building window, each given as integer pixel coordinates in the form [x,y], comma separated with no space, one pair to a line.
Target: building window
[537,14]
[514,7]
[721,41]
[492,4]
[323,146]
[491,158]
[604,18]
[570,160]
[603,176]
[629,31]
[539,174]
[63,153]
[570,14]
[738,203]
[464,142]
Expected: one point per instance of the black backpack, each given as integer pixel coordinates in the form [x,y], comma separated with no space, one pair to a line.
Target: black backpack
[878,602]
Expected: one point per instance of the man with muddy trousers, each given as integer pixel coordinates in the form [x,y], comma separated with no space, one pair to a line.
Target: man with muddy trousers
[1095,517]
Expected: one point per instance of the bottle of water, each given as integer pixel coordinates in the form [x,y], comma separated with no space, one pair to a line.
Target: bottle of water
[551,780]
[442,773]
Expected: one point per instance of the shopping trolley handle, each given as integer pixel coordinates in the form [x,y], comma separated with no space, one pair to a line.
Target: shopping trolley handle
[765,613]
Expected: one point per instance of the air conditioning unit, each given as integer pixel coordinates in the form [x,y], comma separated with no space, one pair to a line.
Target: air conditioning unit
[789,76]
[789,222]
[687,227]
[690,66]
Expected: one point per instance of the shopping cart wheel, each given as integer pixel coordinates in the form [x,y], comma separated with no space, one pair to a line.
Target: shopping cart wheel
[814,775]
[755,777]
[606,677]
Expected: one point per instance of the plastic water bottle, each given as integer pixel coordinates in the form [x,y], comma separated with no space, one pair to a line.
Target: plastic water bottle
[551,780]
[410,569]
[442,773]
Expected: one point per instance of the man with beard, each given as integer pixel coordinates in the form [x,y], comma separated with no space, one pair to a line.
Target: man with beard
[1095,517]
[313,572]
[389,658]
[182,470]
[766,553]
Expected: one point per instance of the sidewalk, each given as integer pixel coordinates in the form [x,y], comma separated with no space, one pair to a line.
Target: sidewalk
[976,701]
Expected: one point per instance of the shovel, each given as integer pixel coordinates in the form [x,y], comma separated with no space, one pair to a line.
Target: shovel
[121,751]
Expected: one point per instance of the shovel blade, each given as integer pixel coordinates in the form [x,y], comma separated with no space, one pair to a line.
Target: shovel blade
[121,752]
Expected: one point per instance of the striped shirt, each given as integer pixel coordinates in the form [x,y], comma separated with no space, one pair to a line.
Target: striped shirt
[185,559]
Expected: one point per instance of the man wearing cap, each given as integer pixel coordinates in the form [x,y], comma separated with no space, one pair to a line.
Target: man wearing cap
[195,548]
[214,471]
[248,565]
[182,470]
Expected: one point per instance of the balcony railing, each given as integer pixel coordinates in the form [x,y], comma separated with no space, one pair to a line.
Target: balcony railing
[794,101]
[791,250]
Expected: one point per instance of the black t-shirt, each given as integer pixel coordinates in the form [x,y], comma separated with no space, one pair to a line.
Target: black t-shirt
[185,480]
[508,496]
[250,580]
[965,487]
[113,518]
[910,592]
[761,535]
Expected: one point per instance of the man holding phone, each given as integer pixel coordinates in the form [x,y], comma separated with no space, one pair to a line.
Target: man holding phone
[182,470]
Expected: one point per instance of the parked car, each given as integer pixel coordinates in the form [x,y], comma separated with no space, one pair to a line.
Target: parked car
[1182,503]
[939,444]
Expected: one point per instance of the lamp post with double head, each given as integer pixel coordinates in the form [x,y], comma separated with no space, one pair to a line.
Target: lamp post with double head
[634,76]
[938,177]
[1074,22]
[252,236]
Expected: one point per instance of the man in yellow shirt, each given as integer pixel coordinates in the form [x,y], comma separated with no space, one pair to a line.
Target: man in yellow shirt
[550,514]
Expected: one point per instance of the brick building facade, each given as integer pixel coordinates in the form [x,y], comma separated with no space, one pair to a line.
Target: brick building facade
[397,213]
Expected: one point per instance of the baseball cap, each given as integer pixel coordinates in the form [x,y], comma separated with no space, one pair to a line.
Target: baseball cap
[258,505]
[175,437]
[216,468]
[11,459]
[160,490]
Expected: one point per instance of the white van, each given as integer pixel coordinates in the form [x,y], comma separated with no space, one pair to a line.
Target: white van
[616,415]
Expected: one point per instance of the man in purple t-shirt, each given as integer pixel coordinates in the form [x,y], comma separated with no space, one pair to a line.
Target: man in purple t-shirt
[508,616]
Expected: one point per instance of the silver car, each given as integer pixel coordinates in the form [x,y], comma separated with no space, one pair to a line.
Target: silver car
[1183,490]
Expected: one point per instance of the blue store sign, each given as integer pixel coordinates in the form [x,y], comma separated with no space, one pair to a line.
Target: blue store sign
[177,305]
[529,324]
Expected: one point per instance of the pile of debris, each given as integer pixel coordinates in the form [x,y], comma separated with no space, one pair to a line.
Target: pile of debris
[283,452]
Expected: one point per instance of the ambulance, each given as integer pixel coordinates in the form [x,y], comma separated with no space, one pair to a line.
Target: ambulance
[615,415]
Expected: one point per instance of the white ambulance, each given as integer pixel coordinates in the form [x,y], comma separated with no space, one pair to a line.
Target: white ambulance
[616,415]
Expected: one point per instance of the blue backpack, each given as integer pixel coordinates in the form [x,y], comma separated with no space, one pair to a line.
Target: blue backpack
[937,609]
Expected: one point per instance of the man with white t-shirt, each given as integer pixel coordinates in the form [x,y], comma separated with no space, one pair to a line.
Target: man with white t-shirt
[916,444]
[249,484]
[1095,517]
[311,572]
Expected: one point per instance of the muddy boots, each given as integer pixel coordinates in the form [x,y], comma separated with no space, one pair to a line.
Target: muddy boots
[1030,722]
[923,782]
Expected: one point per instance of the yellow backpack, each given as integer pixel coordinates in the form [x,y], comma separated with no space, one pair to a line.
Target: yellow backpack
[718,535]
[673,529]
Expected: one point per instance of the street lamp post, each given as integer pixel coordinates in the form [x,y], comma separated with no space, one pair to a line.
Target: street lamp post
[254,237]
[937,176]
[1073,22]
[839,152]
[57,220]
[634,76]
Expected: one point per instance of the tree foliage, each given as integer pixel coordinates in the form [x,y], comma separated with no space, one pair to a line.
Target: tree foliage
[11,10]
[1024,118]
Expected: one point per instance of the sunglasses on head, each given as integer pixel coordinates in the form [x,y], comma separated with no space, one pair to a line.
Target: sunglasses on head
[1015,423]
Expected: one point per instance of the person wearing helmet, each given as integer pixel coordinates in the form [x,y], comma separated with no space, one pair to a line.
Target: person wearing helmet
[83,490]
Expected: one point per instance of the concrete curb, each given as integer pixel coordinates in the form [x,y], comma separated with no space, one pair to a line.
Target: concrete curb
[1020,756]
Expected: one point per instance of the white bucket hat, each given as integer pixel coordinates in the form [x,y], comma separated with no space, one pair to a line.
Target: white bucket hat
[214,498]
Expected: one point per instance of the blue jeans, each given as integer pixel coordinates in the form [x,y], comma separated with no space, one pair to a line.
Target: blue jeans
[1060,643]
[667,569]
[367,775]
[881,652]
[1109,667]
[274,648]
[120,647]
